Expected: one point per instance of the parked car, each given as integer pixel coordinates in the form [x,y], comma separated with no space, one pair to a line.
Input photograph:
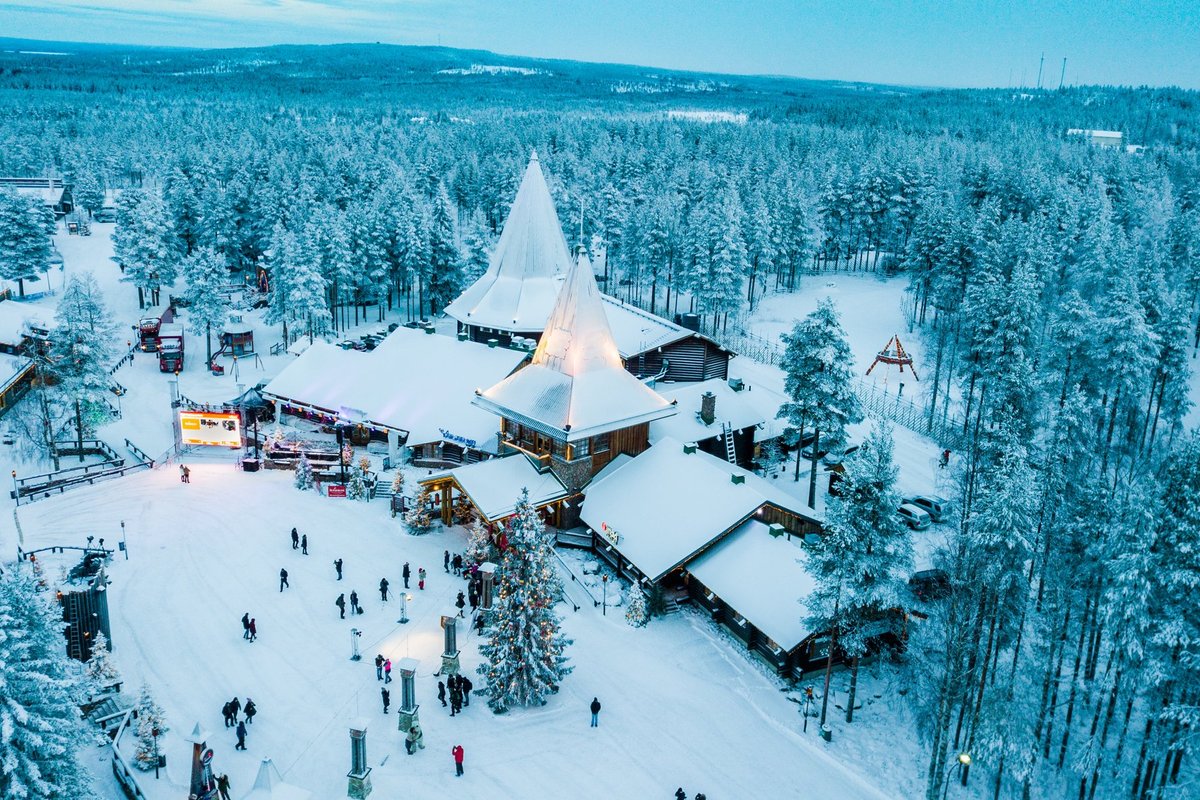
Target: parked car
[930,584]
[914,517]
[938,508]
[837,456]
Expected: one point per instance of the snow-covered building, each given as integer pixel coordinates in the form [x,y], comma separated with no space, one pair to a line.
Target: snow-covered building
[402,391]
[1098,138]
[513,299]
[50,191]
[714,414]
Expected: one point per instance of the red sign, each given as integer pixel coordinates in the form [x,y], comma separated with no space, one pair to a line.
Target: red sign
[337,490]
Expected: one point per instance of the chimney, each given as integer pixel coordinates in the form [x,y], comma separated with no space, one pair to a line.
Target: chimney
[737,480]
[708,407]
[463,336]
[689,447]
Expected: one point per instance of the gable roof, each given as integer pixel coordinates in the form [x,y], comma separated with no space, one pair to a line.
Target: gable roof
[686,426]
[523,274]
[576,386]
[495,485]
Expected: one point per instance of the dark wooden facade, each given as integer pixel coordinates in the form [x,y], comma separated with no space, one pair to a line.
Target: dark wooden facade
[85,611]
[554,454]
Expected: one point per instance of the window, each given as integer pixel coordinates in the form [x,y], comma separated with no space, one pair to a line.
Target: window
[600,443]
[579,449]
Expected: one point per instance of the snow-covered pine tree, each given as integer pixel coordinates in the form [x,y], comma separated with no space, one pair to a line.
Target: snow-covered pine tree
[347,454]
[357,486]
[150,718]
[524,655]
[480,547]
[88,191]
[398,482]
[100,668]
[637,613]
[39,702]
[144,244]
[463,511]
[208,306]
[26,225]
[417,518]
[364,463]
[81,353]
[445,267]
[862,559]
[304,473]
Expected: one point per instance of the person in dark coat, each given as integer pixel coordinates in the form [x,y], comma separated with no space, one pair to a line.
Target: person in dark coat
[406,573]
[223,786]
[354,609]
[241,736]
[387,699]
[446,561]
[442,693]
[304,544]
[457,752]
[680,794]
[246,625]
[379,667]
[595,712]
[227,715]
[253,630]
[250,710]
[455,699]
[337,565]
[295,539]
[460,604]
[473,597]
[235,706]
[456,564]
[383,589]
[283,581]
[341,604]
[465,684]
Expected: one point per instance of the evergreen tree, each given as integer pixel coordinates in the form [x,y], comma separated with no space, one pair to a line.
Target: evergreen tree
[357,487]
[480,547]
[88,191]
[39,697]
[144,244]
[398,482]
[636,613]
[304,473]
[523,656]
[445,268]
[82,352]
[418,518]
[150,719]
[208,303]
[100,669]
[26,225]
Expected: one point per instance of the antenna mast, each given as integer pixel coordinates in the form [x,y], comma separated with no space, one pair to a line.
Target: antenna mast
[1063,76]
[1041,63]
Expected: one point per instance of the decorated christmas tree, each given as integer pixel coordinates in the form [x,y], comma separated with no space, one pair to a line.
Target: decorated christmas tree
[464,511]
[523,658]
[150,719]
[304,473]
[347,454]
[357,488]
[100,669]
[398,482]
[418,518]
[364,464]
[480,547]
[39,701]
[636,613]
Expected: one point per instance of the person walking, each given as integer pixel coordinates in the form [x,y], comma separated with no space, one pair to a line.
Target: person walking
[354,607]
[460,604]
[246,625]
[410,741]
[337,565]
[379,667]
[387,671]
[235,706]
[304,544]
[421,578]
[185,474]
[456,564]
[223,786]
[457,752]
[283,581]
[227,714]
[442,693]
[455,697]
[465,684]
[595,712]
[250,710]
[295,539]
[253,630]
[446,561]
[680,794]
[241,736]
[341,604]
[473,597]
[405,573]
[383,589]
[387,698]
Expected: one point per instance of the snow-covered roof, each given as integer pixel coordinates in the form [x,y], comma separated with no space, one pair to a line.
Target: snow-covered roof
[637,331]
[51,195]
[576,385]
[762,578]
[15,318]
[413,381]
[269,785]
[686,426]
[666,505]
[518,289]
[495,485]
[763,389]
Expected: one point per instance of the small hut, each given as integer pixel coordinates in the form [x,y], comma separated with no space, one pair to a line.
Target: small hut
[237,339]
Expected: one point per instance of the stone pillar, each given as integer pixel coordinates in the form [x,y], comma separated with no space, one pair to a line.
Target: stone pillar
[488,570]
[360,774]
[406,715]
[447,505]
[393,447]
[203,786]
[450,665]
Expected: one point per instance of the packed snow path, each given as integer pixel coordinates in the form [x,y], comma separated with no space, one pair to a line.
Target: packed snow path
[681,706]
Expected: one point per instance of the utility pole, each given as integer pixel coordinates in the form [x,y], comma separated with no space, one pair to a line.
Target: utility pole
[1041,63]
[1063,76]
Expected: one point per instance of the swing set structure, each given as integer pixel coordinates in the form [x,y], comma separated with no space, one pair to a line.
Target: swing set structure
[894,354]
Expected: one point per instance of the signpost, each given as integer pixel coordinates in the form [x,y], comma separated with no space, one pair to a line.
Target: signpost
[211,428]
[337,490]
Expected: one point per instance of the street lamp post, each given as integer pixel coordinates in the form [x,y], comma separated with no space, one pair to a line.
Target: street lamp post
[155,733]
[16,489]
[124,545]
[604,584]
[355,633]
[404,598]
[962,762]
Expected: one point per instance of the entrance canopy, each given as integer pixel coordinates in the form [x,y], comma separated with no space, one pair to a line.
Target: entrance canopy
[495,485]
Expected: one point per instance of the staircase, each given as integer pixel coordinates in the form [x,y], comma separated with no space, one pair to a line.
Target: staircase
[730,450]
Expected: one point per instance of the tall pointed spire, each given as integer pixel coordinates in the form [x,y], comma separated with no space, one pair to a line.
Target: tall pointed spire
[575,386]
[517,291]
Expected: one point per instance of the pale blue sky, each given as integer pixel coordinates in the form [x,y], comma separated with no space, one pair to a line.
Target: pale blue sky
[921,42]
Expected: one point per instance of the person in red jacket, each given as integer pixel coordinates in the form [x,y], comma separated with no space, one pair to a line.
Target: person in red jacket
[458,759]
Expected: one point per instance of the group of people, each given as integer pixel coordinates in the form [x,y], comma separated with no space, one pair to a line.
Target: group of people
[680,794]
[355,608]
[231,710]
[249,628]
[460,687]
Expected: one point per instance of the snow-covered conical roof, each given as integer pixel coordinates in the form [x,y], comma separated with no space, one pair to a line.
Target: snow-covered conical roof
[269,785]
[575,386]
[517,291]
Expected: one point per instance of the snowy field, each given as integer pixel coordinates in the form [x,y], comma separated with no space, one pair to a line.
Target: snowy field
[681,705]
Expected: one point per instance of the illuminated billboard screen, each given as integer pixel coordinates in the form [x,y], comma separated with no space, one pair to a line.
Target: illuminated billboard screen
[211,428]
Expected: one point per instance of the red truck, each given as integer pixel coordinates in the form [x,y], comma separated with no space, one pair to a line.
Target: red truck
[149,325]
[170,347]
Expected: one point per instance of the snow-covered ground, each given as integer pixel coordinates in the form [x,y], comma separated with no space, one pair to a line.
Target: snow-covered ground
[681,705]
